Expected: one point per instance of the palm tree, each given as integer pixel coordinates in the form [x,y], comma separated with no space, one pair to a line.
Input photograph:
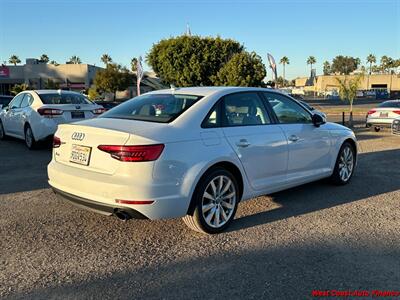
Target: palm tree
[75,60]
[371,59]
[106,59]
[311,60]
[284,61]
[44,58]
[14,59]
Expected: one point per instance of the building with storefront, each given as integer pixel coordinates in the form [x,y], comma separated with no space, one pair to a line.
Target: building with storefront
[39,75]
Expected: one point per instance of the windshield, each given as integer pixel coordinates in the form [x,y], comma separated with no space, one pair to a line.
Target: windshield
[64,98]
[160,108]
[390,104]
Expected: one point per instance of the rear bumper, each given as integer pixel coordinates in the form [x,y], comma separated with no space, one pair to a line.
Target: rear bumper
[97,207]
[387,122]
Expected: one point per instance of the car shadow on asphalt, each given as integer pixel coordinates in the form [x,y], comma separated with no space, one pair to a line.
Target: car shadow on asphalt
[377,173]
[286,272]
[22,169]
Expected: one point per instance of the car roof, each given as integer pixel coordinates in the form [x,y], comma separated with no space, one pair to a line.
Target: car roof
[41,92]
[209,90]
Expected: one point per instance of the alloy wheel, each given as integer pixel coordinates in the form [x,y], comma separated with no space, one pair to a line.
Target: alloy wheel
[28,137]
[218,202]
[346,164]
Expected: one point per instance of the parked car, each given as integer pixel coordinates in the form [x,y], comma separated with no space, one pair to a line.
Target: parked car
[107,105]
[197,156]
[35,115]
[383,115]
[4,100]
[396,126]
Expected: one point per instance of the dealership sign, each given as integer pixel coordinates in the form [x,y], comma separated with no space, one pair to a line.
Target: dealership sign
[4,71]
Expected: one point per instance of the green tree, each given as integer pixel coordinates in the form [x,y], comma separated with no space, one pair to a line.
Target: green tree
[348,91]
[44,58]
[344,64]
[191,60]
[281,81]
[371,59]
[106,59]
[134,64]
[18,88]
[93,94]
[311,61]
[114,78]
[243,69]
[75,60]
[53,62]
[386,63]
[327,68]
[284,61]
[14,59]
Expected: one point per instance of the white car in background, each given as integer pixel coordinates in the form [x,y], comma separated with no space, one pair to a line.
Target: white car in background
[34,115]
[196,153]
[383,115]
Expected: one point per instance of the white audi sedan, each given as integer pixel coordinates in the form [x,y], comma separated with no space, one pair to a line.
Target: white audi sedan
[196,153]
[383,115]
[34,115]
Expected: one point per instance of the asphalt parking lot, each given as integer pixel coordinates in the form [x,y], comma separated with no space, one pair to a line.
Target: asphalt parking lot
[284,245]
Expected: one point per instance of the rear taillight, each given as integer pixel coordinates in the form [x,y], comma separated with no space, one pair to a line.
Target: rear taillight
[371,112]
[397,112]
[49,112]
[56,142]
[133,153]
[98,111]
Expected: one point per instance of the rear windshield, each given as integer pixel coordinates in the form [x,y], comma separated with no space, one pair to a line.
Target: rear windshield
[390,104]
[160,108]
[66,98]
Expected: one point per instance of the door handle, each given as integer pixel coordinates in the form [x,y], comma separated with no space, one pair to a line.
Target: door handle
[293,138]
[243,143]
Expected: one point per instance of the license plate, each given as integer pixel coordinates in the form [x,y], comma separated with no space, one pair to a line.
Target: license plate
[77,115]
[80,155]
[384,115]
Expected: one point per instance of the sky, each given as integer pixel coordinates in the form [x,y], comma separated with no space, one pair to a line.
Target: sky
[125,29]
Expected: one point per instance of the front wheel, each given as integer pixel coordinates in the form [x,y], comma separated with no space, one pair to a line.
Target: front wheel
[345,164]
[216,199]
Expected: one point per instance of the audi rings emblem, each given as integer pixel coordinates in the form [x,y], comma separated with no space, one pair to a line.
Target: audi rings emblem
[78,136]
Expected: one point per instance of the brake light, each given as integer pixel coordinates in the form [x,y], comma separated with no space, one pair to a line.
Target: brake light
[372,111]
[133,201]
[98,111]
[397,112]
[133,153]
[49,112]
[56,142]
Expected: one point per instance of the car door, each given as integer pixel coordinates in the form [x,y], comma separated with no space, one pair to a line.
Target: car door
[260,145]
[22,113]
[309,146]
[10,118]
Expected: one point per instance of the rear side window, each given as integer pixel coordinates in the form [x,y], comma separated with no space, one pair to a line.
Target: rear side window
[390,104]
[160,108]
[63,98]
[28,99]
[243,109]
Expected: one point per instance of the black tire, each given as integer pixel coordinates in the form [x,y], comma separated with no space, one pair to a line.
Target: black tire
[30,141]
[377,129]
[336,177]
[197,221]
[3,135]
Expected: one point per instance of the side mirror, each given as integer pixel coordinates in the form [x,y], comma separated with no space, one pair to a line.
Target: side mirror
[318,120]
